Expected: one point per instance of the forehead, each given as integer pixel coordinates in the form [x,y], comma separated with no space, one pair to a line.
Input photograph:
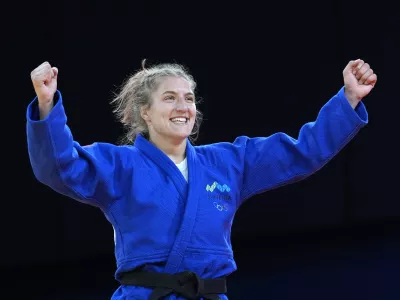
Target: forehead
[175,84]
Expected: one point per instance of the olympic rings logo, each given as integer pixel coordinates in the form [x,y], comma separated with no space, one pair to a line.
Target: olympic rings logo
[220,207]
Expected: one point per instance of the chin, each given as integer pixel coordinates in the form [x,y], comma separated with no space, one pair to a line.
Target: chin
[182,136]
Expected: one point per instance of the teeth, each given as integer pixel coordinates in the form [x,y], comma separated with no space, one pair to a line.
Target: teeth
[179,120]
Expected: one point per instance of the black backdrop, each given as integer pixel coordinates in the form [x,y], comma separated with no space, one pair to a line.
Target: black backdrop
[260,68]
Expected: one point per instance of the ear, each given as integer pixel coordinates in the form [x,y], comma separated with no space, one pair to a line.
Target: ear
[144,113]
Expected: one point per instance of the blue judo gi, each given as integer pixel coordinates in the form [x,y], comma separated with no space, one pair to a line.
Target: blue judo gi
[160,220]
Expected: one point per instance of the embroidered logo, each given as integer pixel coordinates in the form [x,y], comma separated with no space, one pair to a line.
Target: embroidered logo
[221,188]
[220,207]
[216,198]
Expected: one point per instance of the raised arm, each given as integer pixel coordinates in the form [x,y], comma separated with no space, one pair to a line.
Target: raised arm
[280,159]
[85,173]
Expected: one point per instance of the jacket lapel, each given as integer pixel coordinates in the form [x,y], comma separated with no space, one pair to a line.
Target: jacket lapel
[189,215]
[187,190]
[164,163]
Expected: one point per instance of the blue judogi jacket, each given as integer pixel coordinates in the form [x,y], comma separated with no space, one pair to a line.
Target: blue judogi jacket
[160,220]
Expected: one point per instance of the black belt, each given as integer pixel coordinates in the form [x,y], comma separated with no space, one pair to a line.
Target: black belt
[186,284]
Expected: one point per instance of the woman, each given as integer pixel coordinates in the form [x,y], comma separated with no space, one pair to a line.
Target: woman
[172,204]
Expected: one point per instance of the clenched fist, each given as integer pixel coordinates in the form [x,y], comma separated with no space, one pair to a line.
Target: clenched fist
[359,80]
[44,79]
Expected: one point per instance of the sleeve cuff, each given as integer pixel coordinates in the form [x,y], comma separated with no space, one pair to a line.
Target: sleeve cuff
[360,112]
[32,113]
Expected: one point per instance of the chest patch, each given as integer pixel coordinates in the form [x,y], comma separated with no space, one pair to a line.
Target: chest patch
[218,195]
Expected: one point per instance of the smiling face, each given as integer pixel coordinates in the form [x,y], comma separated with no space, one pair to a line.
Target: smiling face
[172,112]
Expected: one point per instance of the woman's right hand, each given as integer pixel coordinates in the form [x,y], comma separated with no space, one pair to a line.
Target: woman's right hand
[44,79]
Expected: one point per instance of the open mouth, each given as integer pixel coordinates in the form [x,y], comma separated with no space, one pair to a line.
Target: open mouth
[179,121]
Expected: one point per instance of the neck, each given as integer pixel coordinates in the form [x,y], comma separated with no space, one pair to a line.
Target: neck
[175,150]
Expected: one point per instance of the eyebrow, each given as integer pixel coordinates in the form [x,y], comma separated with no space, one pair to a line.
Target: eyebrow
[172,92]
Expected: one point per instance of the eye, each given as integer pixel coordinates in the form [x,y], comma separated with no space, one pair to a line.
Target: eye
[169,98]
[190,99]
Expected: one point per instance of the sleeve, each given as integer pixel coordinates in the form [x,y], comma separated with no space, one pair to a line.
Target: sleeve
[83,173]
[279,159]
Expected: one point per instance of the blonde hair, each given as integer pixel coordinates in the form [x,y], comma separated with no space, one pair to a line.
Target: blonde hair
[135,94]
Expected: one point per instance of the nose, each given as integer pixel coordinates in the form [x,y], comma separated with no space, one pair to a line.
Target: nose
[181,105]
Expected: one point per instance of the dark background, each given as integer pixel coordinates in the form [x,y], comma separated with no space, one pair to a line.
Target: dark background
[261,68]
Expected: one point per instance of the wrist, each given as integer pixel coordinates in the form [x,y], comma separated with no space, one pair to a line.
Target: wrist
[45,108]
[353,99]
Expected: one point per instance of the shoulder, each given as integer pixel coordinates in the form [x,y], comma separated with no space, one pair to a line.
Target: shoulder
[237,145]
[118,153]
[221,152]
